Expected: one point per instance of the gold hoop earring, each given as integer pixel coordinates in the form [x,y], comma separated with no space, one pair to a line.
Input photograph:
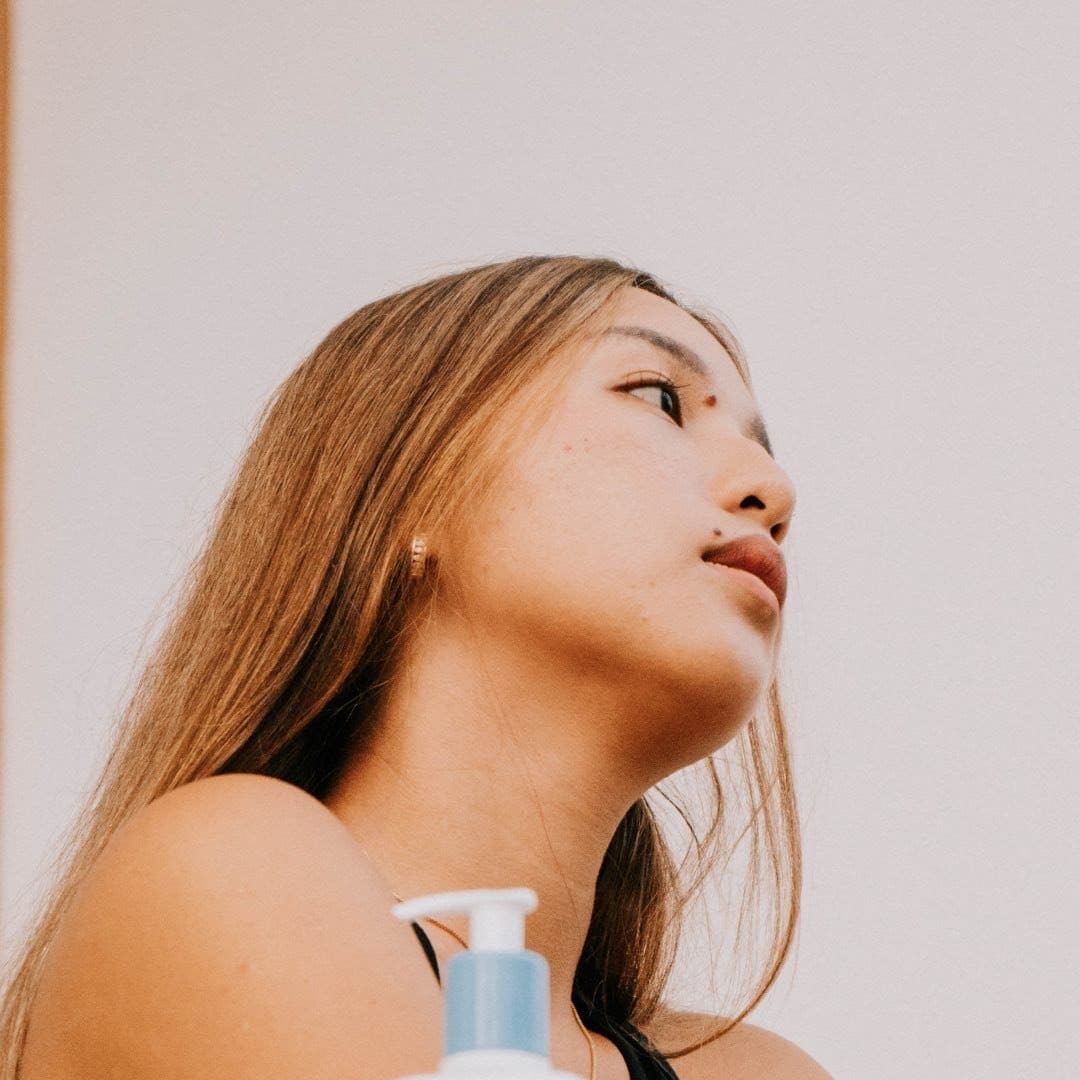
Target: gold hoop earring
[419,557]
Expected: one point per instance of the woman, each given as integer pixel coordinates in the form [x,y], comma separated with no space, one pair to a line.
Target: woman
[461,611]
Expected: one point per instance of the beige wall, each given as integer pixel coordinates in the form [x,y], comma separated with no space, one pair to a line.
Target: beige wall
[883,200]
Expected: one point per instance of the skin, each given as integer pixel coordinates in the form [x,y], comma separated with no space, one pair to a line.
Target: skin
[598,652]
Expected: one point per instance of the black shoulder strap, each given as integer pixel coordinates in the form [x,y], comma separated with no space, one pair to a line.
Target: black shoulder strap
[643,1060]
[429,950]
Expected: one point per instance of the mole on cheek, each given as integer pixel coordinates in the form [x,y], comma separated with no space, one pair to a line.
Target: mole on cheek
[711,399]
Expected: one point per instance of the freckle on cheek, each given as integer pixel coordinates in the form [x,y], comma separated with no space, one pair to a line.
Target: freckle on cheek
[711,399]
[567,447]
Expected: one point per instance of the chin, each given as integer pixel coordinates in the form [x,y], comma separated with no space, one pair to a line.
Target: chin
[714,690]
[737,652]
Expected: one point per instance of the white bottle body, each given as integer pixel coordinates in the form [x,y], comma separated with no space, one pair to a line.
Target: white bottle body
[495,1065]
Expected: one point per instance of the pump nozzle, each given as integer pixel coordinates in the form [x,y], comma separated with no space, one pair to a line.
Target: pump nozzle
[496,916]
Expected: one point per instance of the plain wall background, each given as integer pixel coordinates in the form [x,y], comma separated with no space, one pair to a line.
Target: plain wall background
[882,201]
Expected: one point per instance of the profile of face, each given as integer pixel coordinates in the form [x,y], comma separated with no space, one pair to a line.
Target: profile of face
[585,560]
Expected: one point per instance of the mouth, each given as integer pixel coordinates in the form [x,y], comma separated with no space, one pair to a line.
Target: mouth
[751,582]
[753,557]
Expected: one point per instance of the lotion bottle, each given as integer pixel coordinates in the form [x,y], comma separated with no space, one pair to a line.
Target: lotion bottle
[496,1004]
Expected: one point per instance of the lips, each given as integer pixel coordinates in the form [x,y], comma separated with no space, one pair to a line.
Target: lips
[756,554]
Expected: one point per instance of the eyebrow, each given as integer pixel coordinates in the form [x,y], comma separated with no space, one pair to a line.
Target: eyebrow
[687,358]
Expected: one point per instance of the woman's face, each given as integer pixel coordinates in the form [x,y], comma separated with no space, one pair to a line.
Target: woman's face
[587,556]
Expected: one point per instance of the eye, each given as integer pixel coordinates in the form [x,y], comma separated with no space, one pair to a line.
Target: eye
[669,391]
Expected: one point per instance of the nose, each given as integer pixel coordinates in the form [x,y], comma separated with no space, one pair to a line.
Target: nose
[748,483]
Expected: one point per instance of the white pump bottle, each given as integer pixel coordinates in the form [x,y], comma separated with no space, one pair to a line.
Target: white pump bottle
[496,1004]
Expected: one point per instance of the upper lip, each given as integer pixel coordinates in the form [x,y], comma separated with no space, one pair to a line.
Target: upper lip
[755,553]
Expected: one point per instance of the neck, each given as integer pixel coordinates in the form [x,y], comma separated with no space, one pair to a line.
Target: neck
[490,779]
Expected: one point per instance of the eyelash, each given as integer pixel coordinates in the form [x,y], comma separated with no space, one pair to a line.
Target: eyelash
[655,378]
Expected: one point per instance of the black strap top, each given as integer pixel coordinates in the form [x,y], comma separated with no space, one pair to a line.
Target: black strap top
[642,1061]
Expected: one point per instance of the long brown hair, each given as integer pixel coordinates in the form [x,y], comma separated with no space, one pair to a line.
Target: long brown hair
[288,622]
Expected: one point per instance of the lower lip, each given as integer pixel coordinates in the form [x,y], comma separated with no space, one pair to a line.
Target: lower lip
[750,582]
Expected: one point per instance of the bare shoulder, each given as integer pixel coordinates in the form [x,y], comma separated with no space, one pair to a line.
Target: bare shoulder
[746,1052]
[233,929]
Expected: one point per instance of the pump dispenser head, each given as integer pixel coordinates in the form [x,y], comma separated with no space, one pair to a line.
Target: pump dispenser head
[496,916]
[496,1006]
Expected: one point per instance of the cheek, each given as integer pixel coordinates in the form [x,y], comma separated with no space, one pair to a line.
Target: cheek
[586,526]
[584,557]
